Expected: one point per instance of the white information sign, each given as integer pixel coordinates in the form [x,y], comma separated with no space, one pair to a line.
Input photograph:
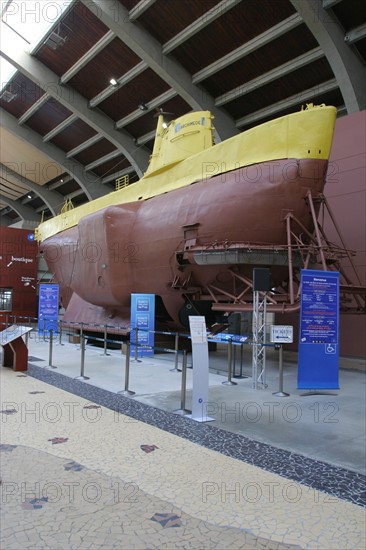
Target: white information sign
[282,334]
[198,330]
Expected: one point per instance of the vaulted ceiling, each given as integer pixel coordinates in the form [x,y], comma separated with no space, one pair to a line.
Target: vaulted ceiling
[68,133]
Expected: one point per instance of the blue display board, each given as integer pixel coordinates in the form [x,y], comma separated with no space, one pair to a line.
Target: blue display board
[48,308]
[319,330]
[143,318]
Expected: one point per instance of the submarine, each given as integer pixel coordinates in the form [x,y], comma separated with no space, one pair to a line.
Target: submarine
[198,222]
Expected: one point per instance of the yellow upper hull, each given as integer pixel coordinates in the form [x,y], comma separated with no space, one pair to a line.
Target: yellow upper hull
[306,134]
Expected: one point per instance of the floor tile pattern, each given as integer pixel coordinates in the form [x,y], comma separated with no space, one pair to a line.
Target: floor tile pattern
[333,480]
[85,510]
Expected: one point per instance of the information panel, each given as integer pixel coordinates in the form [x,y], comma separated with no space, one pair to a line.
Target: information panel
[143,319]
[319,330]
[48,307]
[200,378]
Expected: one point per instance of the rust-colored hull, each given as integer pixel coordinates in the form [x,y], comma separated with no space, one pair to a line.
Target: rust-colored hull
[144,246]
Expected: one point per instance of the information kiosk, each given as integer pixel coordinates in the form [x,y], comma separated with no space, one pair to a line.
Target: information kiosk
[15,352]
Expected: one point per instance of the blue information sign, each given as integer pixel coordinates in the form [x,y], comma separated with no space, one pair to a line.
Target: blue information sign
[319,330]
[143,318]
[48,307]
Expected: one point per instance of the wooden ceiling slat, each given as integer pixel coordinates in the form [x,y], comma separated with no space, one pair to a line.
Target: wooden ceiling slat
[82,29]
[350,14]
[96,151]
[129,4]
[114,165]
[112,62]
[284,87]
[143,88]
[27,93]
[51,114]
[73,135]
[166,19]
[235,27]
[276,53]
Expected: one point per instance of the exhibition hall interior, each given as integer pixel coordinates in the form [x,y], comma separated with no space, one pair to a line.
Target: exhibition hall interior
[182,274]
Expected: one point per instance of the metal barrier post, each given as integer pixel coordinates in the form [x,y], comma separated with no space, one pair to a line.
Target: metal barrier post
[280,392]
[44,330]
[176,358]
[229,382]
[60,333]
[126,391]
[136,345]
[105,340]
[50,350]
[82,361]
[182,411]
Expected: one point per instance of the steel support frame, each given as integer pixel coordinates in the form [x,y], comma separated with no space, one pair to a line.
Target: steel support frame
[259,339]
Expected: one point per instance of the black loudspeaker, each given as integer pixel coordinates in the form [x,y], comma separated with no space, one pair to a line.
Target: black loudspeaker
[261,279]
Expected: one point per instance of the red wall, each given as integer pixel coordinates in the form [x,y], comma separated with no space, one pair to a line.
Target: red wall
[345,191]
[346,194]
[18,269]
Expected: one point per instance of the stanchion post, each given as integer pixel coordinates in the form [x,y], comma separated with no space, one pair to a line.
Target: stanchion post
[105,339]
[82,357]
[229,382]
[126,391]
[60,333]
[280,392]
[50,350]
[44,330]
[136,345]
[176,352]
[182,411]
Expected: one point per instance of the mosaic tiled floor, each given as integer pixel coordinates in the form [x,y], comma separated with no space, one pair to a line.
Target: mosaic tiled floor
[78,508]
[76,474]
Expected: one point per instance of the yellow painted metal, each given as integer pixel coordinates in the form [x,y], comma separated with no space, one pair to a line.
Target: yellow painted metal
[122,182]
[67,206]
[184,154]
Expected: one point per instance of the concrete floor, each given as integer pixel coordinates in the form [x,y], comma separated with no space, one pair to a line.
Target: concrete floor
[329,427]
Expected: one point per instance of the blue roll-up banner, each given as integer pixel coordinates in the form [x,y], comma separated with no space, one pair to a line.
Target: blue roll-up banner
[143,318]
[48,308]
[319,331]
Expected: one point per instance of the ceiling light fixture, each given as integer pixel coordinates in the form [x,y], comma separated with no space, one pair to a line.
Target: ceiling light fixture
[54,41]
[29,196]
[143,107]
[113,81]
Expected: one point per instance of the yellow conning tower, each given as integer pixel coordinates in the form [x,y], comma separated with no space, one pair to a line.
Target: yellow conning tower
[182,138]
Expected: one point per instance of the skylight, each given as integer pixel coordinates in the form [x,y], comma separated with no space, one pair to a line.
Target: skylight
[30,20]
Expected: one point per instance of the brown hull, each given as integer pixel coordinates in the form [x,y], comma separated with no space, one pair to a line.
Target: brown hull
[144,246]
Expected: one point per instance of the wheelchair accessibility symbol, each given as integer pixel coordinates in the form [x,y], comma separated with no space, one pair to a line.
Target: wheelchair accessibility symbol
[330,348]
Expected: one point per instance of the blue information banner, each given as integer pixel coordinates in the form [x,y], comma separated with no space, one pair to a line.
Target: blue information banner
[48,308]
[319,330]
[143,319]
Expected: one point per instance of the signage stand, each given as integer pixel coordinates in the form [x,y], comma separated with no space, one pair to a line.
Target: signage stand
[198,330]
[319,332]
[15,351]
[142,325]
